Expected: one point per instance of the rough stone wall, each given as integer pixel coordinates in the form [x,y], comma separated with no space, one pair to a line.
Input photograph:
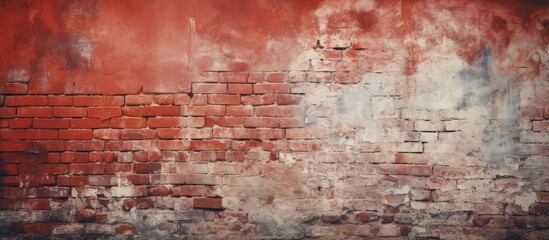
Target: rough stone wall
[274,119]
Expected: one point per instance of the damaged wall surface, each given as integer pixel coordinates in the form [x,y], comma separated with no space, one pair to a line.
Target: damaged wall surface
[262,119]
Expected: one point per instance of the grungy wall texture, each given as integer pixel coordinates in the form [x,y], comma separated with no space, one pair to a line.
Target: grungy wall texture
[269,119]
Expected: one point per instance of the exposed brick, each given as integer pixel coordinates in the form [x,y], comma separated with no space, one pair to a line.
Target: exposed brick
[89,123]
[208,203]
[60,100]
[219,99]
[202,110]
[166,122]
[76,134]
[271,88]
[233,77]
[85,145]
[31,112]
[71,181]
[209,88]
[104,112]
[87,168]
[34,134]
[161,111]
[26,101]
[188,191]
[129,122]
[240,88]
[136,134]
[69,112]
[51,123]
[98,101]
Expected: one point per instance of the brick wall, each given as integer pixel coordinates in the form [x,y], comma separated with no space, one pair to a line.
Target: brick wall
[285,119]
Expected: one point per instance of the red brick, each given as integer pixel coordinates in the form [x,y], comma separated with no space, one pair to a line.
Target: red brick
[38,228]
[52,145]
[46,169]
[236,156]
[305,145]
[51,123]
[71,181]
[159,191]
[128,123]
[188,191]
[208,203]
[161,111]
[240,111]
[107,134]
[26,101]
[60,100]
[275,111]
[35,134]
[168,179]
[209,88]
[37,180]
[7,112]
[531,113]
[233,77]
[393,169]
[267,99]
[102,180]
[69,112]
[163,99]
[34,112]
[126,229]
[132,111]
[181,99]
[246,133]
[76,134]
[138,203]
[20,123]
[137,179]
[276,77]
[196,122]
[53,192]
[137,134]
[104,112]
[177,133]
[240,88]
[11,134]
[210,145]
[98,101]
[84,215]
[13,146]
[8,169]
[271,88]
[85,145]
[222,99]
[87,168]
[175,145]
[138,100]
[81,157]
[457,172]
[224,121]
[199,99]
[202,110]
[15,88]
[166,122]
[90,123]
[286,99]
[116,168]
[261,122]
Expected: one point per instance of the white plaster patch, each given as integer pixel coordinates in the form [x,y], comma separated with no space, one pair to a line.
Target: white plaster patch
[526,200]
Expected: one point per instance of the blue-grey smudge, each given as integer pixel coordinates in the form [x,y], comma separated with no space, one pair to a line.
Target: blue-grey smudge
[501,101]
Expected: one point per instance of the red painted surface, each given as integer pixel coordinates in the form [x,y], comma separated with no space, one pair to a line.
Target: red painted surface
[274,119]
